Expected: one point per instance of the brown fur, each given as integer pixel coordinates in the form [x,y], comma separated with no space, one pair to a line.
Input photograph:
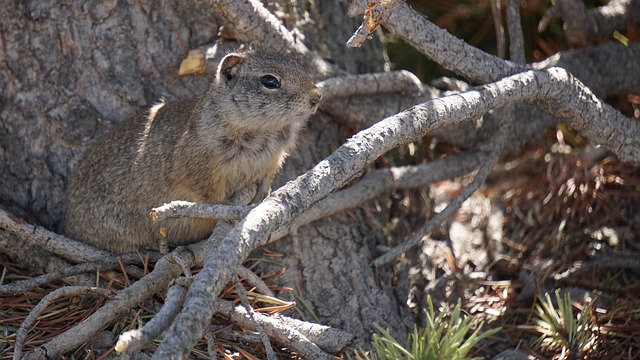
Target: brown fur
[203,150]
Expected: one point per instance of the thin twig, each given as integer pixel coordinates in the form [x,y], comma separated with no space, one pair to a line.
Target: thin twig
[437,44]
[110,263]
[163,273]
[375,14]
[131,342]
[179,209]
[67,291]
[496,12]
[604,263]
[440,217]
[401,81]
[212,347]
[271,355]
[254,280]
[376,182]
[493,154]
[516,39]
[276,330]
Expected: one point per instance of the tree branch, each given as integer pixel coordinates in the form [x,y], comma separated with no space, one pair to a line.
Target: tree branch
[368,84]
[178,209]
[583,111]
[584,27]
[251,316]
[516,40]
[493,154]
[438,45]
[69,249]
[254,280]
[277,330]
[496,12]
[110,263]
[376,182]
[157,280]
[72,250]
[131,342]
[600,68]
[251,22]
[21,335]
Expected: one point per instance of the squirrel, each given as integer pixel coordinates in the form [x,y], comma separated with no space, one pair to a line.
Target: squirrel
[235,135]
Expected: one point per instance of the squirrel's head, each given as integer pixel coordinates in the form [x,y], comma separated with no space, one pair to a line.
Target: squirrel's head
[265,90]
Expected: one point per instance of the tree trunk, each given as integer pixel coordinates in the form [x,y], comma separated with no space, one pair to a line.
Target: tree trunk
[71,70]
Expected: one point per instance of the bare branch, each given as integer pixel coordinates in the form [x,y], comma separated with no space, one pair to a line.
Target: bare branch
[131,342]
[163,273]
[252,22]
[584,27]
[178,209]
[327,338]
[613,261]
[439,218]
[493,154]
[254,280]
[442,47]
[516,40]
[378,181]
[110,263]
[355,99]
[375,15]
[366,84]
[551,14]
[66,291]
[589,116]
[201,298]
[275,329]
[251,315]
[212,347]
[496,12]
[72,250]
[69,249]
[600,67]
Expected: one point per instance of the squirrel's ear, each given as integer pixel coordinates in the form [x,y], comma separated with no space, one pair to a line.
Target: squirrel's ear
[229,65]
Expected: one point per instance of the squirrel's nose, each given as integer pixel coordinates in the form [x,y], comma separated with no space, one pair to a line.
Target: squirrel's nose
[315,97]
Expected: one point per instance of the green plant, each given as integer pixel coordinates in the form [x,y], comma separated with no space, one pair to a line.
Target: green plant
[560,329]
[440,339]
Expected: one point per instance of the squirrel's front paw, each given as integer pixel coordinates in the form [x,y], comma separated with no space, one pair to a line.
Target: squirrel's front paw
[263,190]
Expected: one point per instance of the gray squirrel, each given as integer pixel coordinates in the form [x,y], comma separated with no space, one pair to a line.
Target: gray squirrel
[203,150]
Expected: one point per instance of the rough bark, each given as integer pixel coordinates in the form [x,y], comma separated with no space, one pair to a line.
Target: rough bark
[72,70]
[69,71]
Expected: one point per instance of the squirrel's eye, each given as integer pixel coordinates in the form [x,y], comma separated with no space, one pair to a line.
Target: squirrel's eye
[270,82]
